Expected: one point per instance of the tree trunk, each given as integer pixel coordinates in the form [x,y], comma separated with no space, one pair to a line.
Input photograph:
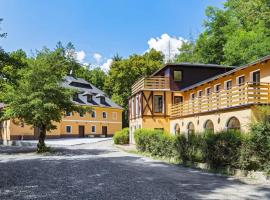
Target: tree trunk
[41,147]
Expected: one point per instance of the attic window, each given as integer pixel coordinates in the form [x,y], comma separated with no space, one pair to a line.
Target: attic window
[76,97]
[89,98]
[81,85]
[177,75]
[102,100]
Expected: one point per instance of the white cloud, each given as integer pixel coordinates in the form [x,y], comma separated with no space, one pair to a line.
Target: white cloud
[106,66]
[167,45]
[97,57]
[80,56]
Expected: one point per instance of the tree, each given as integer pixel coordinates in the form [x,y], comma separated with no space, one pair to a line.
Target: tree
[235,35]
[125,72]
[38,99]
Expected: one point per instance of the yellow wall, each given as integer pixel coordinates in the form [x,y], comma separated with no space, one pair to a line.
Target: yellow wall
[14,129]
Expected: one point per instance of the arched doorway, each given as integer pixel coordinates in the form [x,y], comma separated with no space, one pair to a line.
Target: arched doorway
[233,124]
[209,126]
[177,129]
[191,128]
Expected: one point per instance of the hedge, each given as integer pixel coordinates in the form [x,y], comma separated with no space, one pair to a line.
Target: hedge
[155,142]
[223,149]
[121,137]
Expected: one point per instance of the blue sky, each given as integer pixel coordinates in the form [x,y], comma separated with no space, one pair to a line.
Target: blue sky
[100,27]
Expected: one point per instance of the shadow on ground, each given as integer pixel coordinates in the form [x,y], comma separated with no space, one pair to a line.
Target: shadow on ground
[110,174]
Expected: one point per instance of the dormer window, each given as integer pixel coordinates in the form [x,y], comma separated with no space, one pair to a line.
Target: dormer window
[89,98]
[76,97]
[102,100]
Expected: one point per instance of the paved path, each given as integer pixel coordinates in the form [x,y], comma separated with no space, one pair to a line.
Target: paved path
[100,171]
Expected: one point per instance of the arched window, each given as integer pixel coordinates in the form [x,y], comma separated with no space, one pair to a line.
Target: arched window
[177,129]
[209,126]
[191,128]
[233,124]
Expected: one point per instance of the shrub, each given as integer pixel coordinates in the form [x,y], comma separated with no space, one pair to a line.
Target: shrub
[223,148]
[155,142]
[121,137]
[191,147]
[260,144]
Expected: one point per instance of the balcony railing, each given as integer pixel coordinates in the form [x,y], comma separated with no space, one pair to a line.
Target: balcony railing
[249,93]
[151,83]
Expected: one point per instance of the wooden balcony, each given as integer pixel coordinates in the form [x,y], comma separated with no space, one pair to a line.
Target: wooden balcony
[249,93]
[151,83]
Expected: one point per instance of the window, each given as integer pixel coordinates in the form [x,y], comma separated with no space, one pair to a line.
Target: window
[68,114]
[102,100]
[93,129]
[76,97]
[217,88]
[137,105]
[177,75]
[177,129]
[81,114]
[241,80]
[68,129]
[200,93]
[233,124]
[255,77]
[93,114]
[114,115]
[192,96]
[228,85]
[209,126]
[104,115]
[208,91]
[191,128]
[158,104]
[178,99]
[89,98]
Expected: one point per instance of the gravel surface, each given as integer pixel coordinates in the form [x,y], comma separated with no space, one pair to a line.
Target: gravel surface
[101,171]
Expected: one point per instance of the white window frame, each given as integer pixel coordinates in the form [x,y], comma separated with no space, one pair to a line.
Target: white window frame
[105,114]
[206,94]
[225,84]
[70,129]
[95,114]
[136,105]
[215,87]
[92,129]
[114,115]
[68,114]
[238,77]
[199,92]
[251,74]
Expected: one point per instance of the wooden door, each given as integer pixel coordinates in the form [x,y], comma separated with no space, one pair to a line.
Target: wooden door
[104,131]
[81,131]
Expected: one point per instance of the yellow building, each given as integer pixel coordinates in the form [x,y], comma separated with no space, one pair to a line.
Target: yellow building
[104,120]
[201,100]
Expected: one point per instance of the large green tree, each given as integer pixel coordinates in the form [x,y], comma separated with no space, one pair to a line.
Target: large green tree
[38,99]
[237,34]
[123,74]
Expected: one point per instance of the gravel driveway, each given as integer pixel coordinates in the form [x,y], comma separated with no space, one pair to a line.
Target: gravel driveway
[100,171]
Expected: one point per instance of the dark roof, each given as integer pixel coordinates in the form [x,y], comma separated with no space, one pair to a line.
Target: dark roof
[194,65]
[226,73]
[85,89]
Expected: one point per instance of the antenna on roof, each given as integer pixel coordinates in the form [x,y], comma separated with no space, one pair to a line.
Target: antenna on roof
[169,59]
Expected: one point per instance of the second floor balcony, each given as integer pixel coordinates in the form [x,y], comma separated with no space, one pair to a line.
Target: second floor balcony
[247,94]
[151,83]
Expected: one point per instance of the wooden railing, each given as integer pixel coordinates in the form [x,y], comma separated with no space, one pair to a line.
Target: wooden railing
[151,83]
[249,93]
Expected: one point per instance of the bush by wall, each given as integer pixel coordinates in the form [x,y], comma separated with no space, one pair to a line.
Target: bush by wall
[155,142]
[121,137]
